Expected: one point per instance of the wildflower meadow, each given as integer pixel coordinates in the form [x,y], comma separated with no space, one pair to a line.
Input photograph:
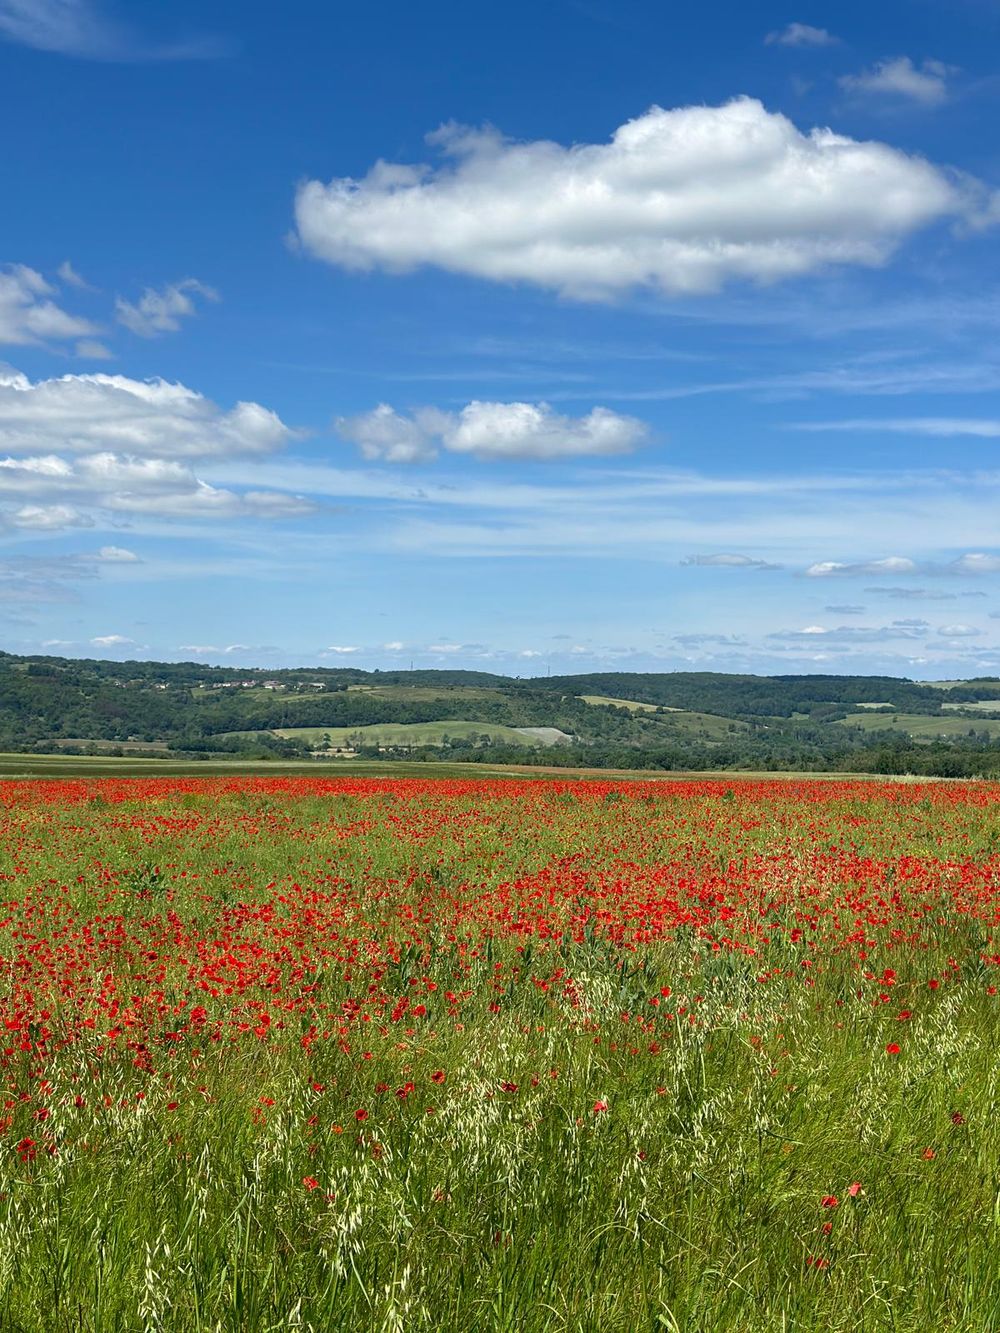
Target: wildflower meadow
[517,1055]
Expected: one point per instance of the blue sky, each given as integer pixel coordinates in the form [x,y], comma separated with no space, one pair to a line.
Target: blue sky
[559,337]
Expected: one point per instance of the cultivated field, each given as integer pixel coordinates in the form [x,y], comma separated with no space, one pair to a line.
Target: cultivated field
[921,726]
[448,1055]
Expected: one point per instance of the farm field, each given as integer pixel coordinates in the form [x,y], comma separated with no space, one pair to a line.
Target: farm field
[920,725]
[631,705]
[371,1054]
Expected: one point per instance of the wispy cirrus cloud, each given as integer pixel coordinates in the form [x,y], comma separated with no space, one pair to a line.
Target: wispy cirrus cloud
[801,35]
[85,29]
[728,560]
[852,634]
[973,562]
[987,428]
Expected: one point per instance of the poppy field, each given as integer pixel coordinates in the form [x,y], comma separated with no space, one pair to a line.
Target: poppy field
[399,1055]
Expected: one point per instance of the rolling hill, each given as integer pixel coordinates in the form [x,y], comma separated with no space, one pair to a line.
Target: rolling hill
[610,719]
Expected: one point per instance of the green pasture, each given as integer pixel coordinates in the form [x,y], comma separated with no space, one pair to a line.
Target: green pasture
[920,726]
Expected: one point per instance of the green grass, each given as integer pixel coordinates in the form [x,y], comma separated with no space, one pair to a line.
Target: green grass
[702,726]
[230,1187]
[920,726]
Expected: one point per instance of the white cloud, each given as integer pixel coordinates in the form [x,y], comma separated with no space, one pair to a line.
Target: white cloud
[395,646]
[68,274]
[680,200]
[48,518]
[893,564]
[161,311]
[112,641]
[529,430]
[77,28]
[899,77]
[971,563]
[342,650]
[384,435]
[850,634]
[987,428]
[960,631]
[28,314]
[89,349]
[117,555]
[976,563]
[801,34]
[725,560]
[85,413]
[110,443]
[708,641]
[492,431]
[922,594]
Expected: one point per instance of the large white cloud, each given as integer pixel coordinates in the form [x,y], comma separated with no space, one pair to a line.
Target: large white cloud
[86,443]
[679,200]
[490,431]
